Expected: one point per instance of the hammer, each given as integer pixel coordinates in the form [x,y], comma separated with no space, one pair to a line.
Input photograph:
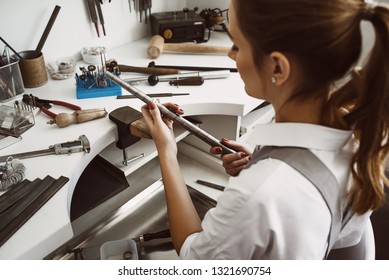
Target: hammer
[157,45]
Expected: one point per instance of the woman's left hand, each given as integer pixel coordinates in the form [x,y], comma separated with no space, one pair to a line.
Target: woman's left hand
[161,127]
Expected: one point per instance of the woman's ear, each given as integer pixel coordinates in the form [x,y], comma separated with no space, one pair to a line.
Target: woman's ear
[280,68]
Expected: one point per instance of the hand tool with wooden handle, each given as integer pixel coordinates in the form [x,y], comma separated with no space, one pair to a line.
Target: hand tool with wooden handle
[148,70]
[157,45]
[79,116]
[191,68]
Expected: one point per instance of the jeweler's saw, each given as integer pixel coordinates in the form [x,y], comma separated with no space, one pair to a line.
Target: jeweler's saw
[80,145]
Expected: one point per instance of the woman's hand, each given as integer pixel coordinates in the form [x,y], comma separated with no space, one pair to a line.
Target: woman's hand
[161,127]
[182,215]
[233,163]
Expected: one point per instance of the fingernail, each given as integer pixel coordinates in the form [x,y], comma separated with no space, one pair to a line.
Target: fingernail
[225,140]
[151,105]
[181,110]
[219,150]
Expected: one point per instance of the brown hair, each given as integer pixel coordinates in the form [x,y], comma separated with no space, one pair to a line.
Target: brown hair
[325,37]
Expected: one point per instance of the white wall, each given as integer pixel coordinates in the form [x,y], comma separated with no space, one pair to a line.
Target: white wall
[22,23]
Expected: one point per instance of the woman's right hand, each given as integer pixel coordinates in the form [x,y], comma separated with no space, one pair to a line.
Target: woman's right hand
[233,163]
[161,127]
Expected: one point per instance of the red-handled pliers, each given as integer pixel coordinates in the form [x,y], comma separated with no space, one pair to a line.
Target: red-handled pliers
[45,104]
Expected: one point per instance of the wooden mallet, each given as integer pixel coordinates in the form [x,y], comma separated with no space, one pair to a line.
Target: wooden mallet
[157,45]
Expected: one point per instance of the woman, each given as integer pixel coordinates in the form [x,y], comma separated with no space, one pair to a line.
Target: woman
[291,53]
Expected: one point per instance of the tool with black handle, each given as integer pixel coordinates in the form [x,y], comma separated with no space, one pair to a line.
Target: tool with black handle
[148,70]
[153,235]
[191,78]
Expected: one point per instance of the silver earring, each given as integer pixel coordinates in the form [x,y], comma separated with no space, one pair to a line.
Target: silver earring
[273,80]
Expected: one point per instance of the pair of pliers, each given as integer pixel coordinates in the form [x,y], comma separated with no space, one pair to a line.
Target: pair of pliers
[44,105]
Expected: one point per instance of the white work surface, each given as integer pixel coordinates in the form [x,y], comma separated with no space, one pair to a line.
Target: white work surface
[50,226]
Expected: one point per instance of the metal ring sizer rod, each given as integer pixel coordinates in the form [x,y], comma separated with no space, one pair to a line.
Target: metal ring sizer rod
[195,130]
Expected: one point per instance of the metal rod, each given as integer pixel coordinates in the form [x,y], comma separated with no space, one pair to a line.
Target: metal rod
[153,95]
[24,155]
[210,185]
[206,75]
[47,29]
[127,161]
[80,145]
[192,68]
[195,130]
[15,52]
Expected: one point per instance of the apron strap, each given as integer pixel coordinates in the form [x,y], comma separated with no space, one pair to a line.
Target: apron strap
[312,168]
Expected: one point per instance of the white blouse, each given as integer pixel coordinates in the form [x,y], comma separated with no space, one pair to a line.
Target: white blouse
[271,211]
